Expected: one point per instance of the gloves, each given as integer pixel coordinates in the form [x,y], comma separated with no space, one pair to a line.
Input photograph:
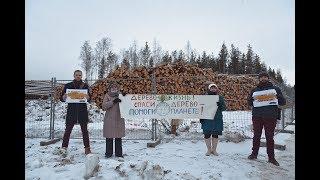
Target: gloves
[218,104]
[116,100]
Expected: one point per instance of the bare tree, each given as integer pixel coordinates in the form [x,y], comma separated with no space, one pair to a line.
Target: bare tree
[156,52]
[133,55]
[101,51]
[188,51]
[86,58]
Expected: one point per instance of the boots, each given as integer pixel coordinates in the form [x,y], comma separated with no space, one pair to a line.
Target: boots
[273,161]
[214,146]
[252,156]
[208,144]
[87,150]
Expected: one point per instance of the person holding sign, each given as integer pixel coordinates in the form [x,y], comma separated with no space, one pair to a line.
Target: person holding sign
[264,100]
[77,112]
[213,127]
[113,124]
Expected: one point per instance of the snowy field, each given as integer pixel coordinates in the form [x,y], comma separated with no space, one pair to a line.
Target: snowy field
[176,157]
[172,159]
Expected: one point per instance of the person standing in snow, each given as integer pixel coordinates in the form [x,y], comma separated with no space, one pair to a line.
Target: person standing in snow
[77,113]
[264,116]
[113,124]
[213,128]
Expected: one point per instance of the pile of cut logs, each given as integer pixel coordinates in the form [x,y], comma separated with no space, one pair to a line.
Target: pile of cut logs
[175,78]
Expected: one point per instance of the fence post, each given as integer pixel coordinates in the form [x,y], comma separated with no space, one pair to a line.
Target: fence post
[51,109]
[154,91]
[282,118]
[54,106]
[292,113]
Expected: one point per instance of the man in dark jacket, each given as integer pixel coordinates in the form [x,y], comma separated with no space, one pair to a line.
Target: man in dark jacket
[77,113]
[264,100]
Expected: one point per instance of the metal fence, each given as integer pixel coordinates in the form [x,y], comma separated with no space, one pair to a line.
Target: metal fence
[45,118]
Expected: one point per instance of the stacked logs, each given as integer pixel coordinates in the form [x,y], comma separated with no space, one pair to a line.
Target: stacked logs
[177,78]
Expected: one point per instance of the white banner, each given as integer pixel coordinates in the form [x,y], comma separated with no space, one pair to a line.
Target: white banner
[265,98]
[147,106]
[76,95]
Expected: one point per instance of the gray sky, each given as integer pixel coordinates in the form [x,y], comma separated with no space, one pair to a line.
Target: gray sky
[55,30]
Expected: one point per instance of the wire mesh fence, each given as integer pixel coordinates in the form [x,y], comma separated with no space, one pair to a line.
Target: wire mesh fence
[45,117]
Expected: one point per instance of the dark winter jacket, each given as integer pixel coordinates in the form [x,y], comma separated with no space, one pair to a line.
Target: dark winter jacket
[270,111]
[76,112]
[216,125]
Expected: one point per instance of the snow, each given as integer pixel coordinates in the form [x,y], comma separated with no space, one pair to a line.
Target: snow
[176,157]
[171,159]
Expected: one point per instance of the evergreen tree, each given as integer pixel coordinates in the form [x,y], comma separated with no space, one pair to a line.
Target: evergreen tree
[181,56]
[192,58]
[222,59]
[151,62]
[257,66]
[174,55]
[249,61]
[242,63]
[279,77]
[145,55]
[234,65]
[125,63]
[166,58]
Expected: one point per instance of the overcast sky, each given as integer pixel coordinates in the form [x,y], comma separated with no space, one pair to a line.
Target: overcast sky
[56,29]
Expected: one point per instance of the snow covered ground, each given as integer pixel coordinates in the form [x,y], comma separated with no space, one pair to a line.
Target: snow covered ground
[177,157]
[172,159]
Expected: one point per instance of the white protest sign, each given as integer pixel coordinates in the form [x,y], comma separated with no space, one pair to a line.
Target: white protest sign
[265,98]
[168,106]
[76,95]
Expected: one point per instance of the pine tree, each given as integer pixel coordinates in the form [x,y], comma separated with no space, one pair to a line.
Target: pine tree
[192,58]
[263,67]
[166,58]
[257,66]
[145,55]
[249,61]
[125,63]
[233,67]
[151,62]
[222,59]
[279,77]
[181,56]
[242,63]
[199,62]
[174,56]
[204,60]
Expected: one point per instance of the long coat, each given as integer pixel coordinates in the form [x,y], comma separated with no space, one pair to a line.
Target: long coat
[76,112]
[214,126]
[113,124]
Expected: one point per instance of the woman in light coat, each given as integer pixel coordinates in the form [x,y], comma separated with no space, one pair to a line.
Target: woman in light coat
[113,125]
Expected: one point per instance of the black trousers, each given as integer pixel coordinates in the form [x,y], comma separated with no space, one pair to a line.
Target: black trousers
[109,147]
[85,134]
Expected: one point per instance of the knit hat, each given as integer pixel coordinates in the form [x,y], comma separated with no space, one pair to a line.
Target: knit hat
[212,84]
